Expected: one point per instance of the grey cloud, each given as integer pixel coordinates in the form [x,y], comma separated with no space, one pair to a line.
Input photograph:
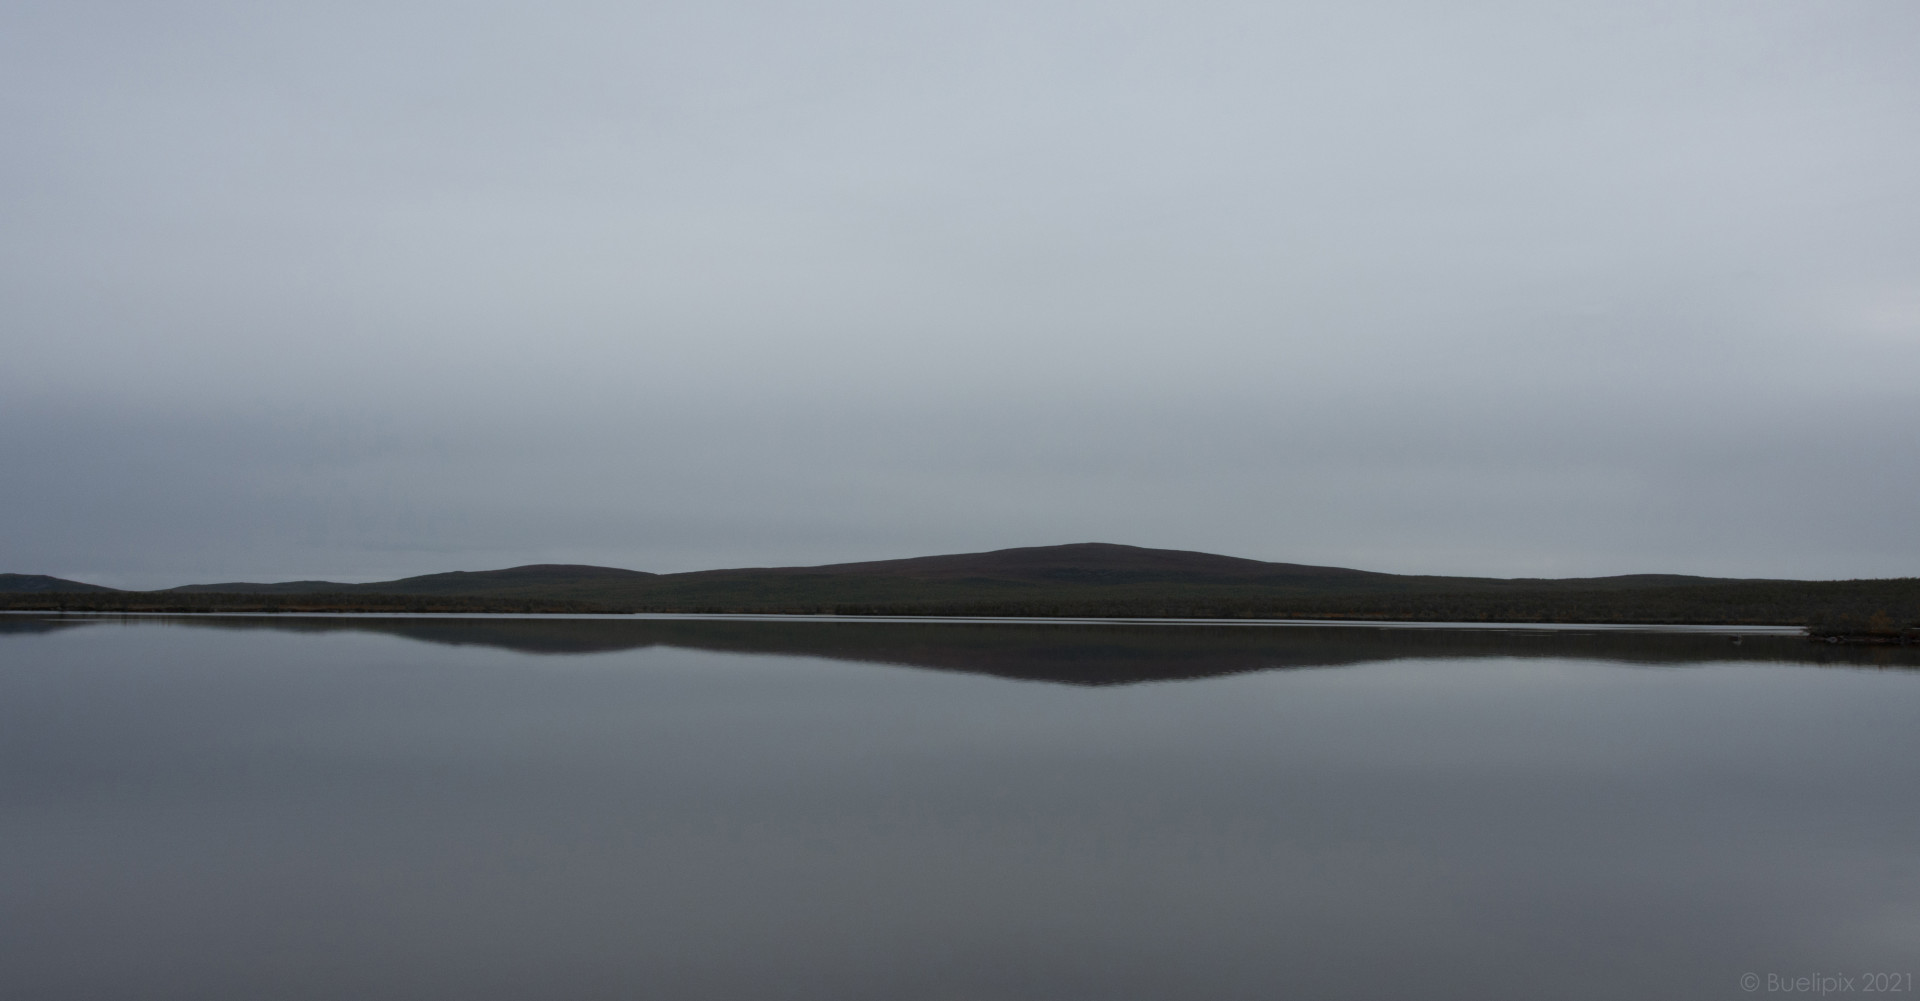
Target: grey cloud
[361,290]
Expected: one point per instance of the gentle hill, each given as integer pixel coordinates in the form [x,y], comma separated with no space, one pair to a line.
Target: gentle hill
[1080,562]
[38,583]
[1083,579]
[538,578]
[556,579]
[249,587]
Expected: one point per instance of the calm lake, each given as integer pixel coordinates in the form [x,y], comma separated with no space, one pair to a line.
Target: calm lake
[479,808]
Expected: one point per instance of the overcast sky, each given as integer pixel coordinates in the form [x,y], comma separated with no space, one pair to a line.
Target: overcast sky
[360,290]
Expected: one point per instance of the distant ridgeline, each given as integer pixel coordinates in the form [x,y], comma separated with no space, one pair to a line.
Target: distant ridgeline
[1087,579]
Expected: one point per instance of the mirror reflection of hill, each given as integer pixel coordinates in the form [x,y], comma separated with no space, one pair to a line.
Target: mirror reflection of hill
[1065,653]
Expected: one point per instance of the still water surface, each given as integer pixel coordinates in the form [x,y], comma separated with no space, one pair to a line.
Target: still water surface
[421,808]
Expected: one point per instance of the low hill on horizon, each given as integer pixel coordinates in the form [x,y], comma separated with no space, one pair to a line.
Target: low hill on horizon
[533,577]
[39,583]
[1079,561]
[1088,563]
[1080,579]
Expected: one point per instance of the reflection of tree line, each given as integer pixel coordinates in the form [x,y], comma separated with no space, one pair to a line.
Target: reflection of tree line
[1855,607]
[1103,654]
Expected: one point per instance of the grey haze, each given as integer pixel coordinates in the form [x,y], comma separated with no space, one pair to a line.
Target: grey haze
[361,290]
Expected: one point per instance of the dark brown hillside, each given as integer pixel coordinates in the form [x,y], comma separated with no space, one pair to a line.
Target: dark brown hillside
[250,587]
[537,576]
[1081,562]
[542,578]
[39,583]
[1085,579]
